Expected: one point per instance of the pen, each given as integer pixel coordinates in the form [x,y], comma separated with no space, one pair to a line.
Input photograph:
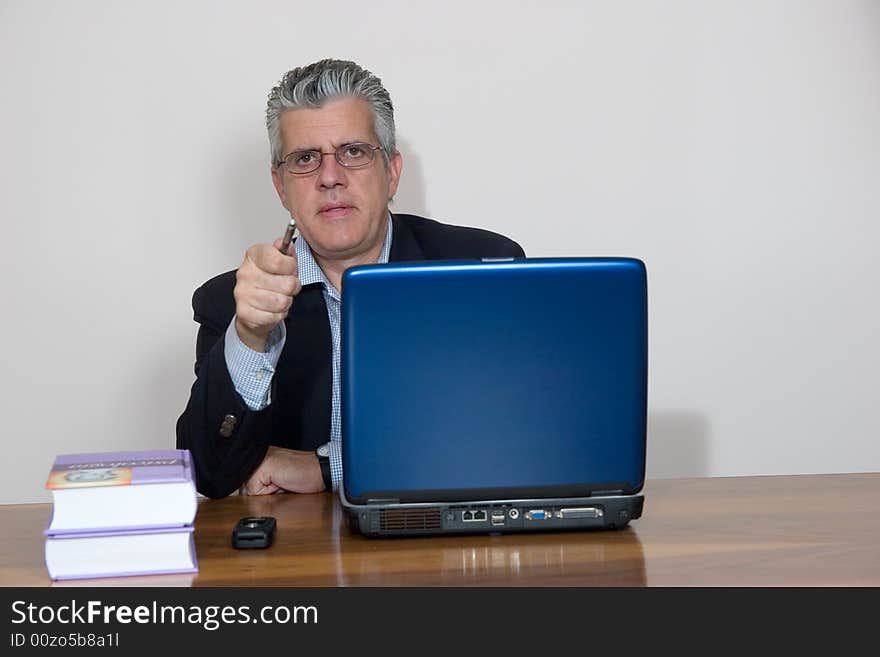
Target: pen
[288,235]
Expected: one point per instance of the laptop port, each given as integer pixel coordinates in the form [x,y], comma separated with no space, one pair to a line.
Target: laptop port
[579,512]
[497,516]
[537,514]
[467,516]
[473,516]
[479,516]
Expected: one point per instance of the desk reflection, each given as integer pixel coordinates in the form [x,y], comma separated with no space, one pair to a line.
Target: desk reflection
[315,547]
[571,558]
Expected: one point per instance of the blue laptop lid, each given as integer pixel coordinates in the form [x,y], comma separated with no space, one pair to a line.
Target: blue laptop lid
[466,380]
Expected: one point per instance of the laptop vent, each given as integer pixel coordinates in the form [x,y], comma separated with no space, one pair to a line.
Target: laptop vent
[408,519]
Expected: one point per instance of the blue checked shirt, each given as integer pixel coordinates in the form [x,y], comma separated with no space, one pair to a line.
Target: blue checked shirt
[252,371]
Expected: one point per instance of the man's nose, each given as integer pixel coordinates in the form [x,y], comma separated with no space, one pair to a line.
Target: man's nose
[331,173]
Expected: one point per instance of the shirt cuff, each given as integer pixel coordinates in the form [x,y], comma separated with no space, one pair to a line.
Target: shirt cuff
[336,463]
[251,371]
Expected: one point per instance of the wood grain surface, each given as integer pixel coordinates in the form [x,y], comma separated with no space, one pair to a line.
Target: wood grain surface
[806,530]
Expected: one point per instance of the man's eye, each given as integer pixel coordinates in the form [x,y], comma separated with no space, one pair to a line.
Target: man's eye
[304,159]
[355,151]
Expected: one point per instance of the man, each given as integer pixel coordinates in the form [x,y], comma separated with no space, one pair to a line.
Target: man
[264,411]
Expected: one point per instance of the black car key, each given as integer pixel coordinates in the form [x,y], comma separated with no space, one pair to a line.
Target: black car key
[253,532]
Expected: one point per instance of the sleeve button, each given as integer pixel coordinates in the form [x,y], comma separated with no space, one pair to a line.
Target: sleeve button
[227,426]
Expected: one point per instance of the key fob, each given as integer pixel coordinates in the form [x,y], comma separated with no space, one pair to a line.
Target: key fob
[253,532]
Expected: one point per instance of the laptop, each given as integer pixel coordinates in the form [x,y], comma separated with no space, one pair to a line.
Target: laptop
[493,396]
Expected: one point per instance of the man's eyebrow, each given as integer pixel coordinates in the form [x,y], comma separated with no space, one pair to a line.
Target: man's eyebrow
[341,143]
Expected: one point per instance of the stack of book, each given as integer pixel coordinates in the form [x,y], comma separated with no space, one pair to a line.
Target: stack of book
[121,513]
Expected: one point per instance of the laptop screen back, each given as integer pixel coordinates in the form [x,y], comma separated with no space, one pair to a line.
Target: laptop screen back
[483,380]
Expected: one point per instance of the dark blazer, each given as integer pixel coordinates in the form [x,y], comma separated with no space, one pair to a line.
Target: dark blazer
[227,439]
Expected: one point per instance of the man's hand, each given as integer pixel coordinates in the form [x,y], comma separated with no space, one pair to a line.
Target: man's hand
[265,286]
[285,470]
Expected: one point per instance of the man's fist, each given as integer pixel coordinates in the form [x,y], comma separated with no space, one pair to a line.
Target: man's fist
[266,283]
[285,470]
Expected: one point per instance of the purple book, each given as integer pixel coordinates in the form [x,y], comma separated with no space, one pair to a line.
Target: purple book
[121,553]
[121,491]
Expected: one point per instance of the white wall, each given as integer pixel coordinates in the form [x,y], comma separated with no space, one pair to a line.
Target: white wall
[732,145]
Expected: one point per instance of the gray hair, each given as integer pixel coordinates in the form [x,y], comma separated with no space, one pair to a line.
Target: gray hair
[315,84]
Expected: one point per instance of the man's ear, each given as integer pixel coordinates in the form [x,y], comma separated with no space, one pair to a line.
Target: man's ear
[395,166]
[279,187]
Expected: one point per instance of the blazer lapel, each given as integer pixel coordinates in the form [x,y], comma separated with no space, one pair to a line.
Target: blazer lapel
[403,243]
[305,366]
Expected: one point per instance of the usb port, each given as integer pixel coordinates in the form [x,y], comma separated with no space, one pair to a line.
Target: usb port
[498,517]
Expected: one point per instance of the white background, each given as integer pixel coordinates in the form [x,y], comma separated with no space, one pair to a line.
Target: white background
[732,145]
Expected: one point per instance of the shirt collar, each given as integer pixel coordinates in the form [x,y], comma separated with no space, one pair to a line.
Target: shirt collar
[309,270]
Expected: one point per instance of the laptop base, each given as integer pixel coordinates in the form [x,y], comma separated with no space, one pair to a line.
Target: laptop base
[492,517]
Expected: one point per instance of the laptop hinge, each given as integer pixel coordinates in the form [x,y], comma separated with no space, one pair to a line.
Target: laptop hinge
[603,493]
[383,500]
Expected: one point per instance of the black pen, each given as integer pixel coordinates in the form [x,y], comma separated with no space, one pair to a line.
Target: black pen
[288,235]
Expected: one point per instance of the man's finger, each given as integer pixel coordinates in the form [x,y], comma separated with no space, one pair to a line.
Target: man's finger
[269,301]
[269,259]
[256,319]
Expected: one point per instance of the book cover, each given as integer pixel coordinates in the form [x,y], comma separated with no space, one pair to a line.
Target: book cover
[129,490]
[91,470]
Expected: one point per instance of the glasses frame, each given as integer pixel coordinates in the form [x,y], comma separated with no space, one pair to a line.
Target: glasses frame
[335,153]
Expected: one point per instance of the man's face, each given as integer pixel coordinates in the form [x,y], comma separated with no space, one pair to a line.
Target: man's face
[342,213]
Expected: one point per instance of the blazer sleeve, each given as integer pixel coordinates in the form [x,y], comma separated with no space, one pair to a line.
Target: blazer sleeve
[228,441]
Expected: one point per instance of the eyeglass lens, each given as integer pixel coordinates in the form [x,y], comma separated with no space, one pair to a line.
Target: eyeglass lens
[350,156]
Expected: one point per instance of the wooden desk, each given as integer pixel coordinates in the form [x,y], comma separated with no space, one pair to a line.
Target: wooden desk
[774,531]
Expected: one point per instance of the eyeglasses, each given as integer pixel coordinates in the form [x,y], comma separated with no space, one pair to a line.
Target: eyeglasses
[351,156]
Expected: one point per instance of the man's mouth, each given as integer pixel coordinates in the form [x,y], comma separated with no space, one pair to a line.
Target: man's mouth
[335,210]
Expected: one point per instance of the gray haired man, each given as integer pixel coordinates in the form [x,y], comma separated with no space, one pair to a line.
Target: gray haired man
[264,412]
